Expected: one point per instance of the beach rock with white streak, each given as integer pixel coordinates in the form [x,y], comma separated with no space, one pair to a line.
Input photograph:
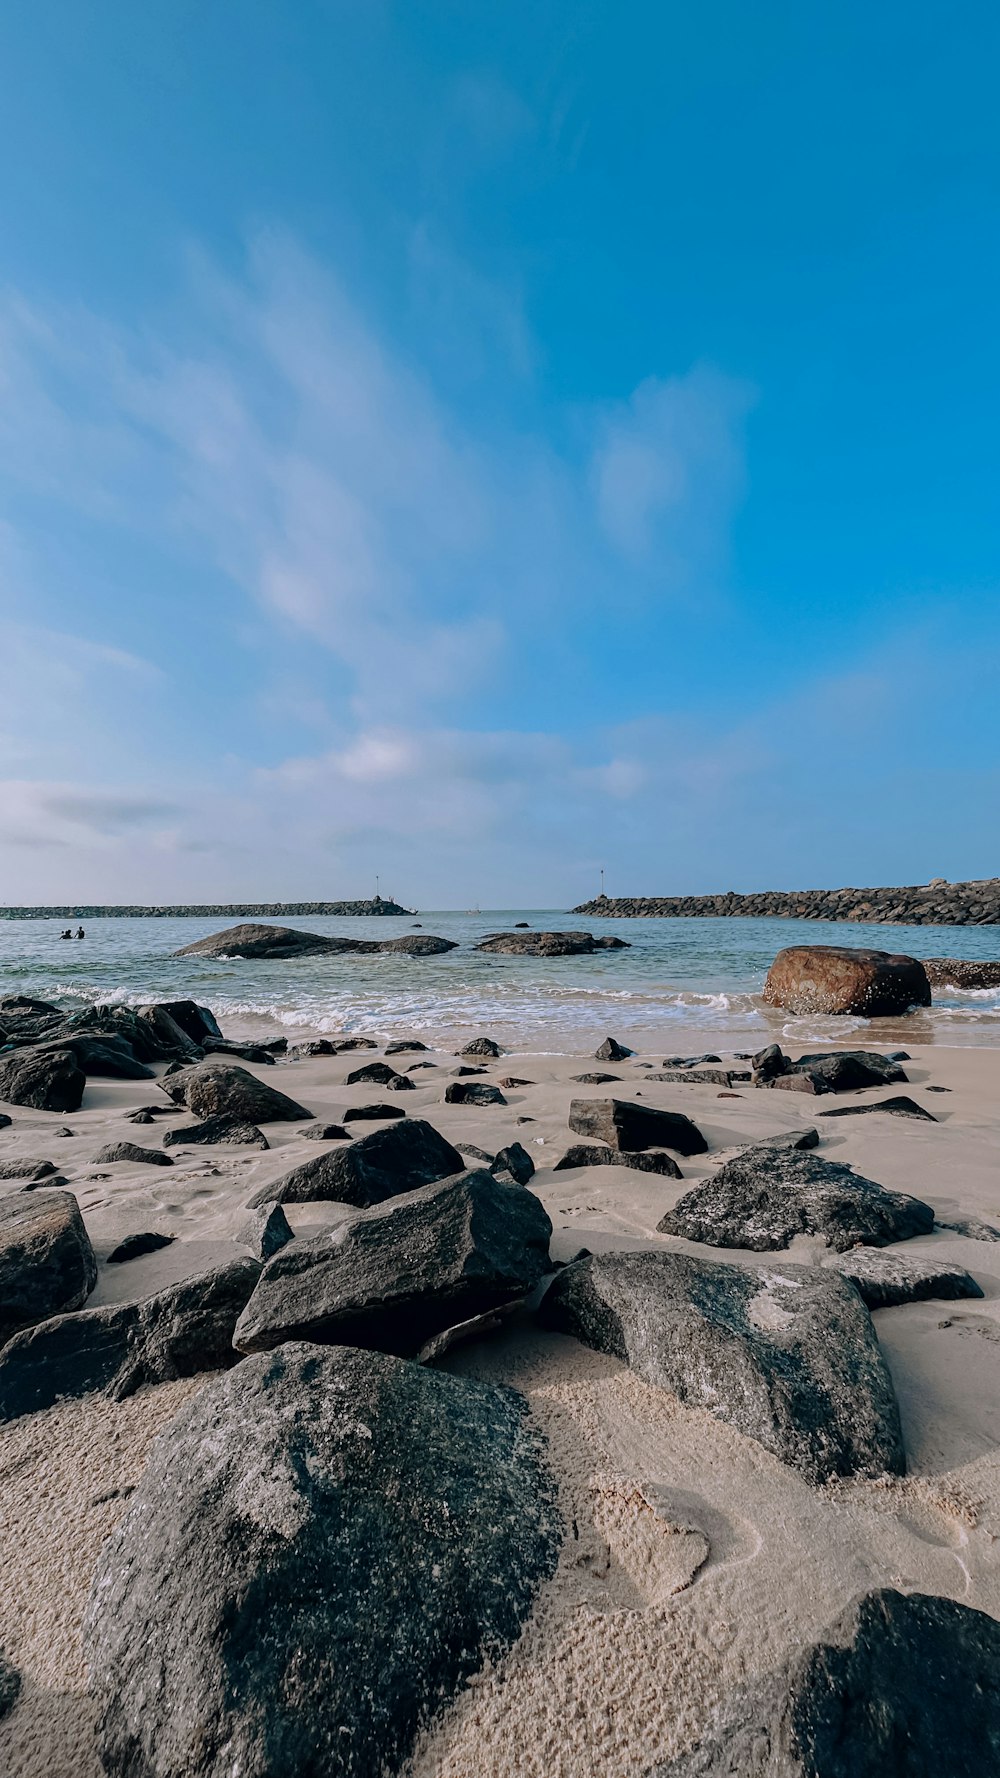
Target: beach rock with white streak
[324,1547]
[47,1263]
[399,1158]
[785,1354]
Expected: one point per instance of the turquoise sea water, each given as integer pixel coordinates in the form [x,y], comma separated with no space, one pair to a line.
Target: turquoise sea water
[683,984]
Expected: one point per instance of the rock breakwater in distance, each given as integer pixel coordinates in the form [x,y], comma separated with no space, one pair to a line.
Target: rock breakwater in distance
[230,910]
[938,903]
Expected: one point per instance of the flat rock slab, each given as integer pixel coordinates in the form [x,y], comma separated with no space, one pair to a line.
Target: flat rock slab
[220,1089]
[398,1158]
[324,1546]
[373,1114]
[47,1263]
[132,1154]
[592,1154]
[251,940]
[596,1079]
[122,1346]
[703,1077]
[901,1684]
[403,1046]
[886,1279]
[766,1196]
[224,1132]
[473,1092]
[26,1167]
[900,1106]
[392,1277]
[621,1124]
[785,1354]
[45,1079]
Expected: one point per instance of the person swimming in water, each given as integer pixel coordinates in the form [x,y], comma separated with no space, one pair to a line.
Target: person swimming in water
[68,933]
[80,932]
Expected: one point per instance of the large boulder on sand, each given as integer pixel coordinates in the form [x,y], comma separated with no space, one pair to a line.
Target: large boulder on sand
[120,1347]
[621,1124]
[222,1090]
[772,1192]
[788,1357]
[324,1545]
[45,1079]
[399,1158]
[47,1264]
[838,979]
[393,1276]
[901,1684]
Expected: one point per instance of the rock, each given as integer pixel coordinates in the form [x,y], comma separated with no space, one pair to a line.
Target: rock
[220,1089]
[45,1079]
[768,1063]
[23,1003]
[25,1167]
[476,1154]
[691,1061]
[320,1132]
[828,1071]
[954,972]
[424,946]
[47,1264]
[265,1231]
[100,1053]
[246,1052]
[389,1526]
[972,1227]
[515,1160]
[705,1077]
[466,1068]
[791,1139]
[372,1113]
[354,1043]
[378,1073]
[901,1683]
[393,1276]
[481,1046]
[5,1121]
[414,1066]
[131,1152]
[225,1131]
[549,944]
[403,1046]
[139,1117]
[838,979]
[197,1022]
[316,1046]
[148,1033]
[623,1125]
[936,903]
[510,1082]
[612,1051]
[769,1194]
[10,1686]
[587,1154]
[596,1079]
[900,1106]
[134,1246]
[886,1279]
[788,1356]
[387,1162]
[120,1347]
[251,940]
[473,1092]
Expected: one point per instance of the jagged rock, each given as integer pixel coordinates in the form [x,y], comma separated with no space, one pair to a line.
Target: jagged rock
[612,1051]
[47,1264]
[265,1231]
[473,1092]
[135,1246]
[808,1137]
[149,1033]
[221,1090]
[481,1046]
[251,940]
[131,1152]
[769,1062]
[972,1227]
[101,1053]
[26,1167]
[887,1279]
[588,1154]
[118,1348]
[515,1160]
[246,1052]
[316,1046]
[900,1106]
[371,1114]
[14,1003]
[788,1356]
[770,1193]
[388,1527]
[398,1158]
[345,1044]
[838,979]
[623,1125]
[691,1061]
[476,1154]
[139,1117]
[225,1131]
[510,1082]
[45,1079]
[949,972]
[197,1022]
[320,1132]
[10,1686]
[596,1079]
[549,944]
[403,1046]
[375,1073]
[828,1071]
[901,1683]
[393,1276]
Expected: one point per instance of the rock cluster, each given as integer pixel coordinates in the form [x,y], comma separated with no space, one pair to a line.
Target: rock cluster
[549,944]
[208,910]
[276,942]
[938,903]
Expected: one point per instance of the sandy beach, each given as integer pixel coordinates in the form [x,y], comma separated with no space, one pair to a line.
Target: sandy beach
[653,1615]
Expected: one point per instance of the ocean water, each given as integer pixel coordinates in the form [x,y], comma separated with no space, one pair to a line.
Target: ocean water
[684,985]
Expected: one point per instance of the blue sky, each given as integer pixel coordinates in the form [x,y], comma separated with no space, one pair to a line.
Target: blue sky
[478,444]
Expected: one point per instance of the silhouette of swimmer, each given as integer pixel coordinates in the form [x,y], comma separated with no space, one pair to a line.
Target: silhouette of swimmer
[68,933]
[80,932]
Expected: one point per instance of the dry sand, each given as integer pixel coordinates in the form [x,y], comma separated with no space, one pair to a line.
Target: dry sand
[693,1559]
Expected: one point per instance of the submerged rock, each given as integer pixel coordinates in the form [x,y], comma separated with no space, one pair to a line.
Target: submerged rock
[324,1546]
[383,1164]
[549,944]
[251,940]
[788,1356]
[839,979]
[47,1263]
[622,1124]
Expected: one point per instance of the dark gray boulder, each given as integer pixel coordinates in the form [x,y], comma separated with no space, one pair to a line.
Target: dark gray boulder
[593,1154]
[900,1106]
[515,1160]
[427,945]
[320,1132]
[377,1073]
[481,1046]
[836,1071]
[595,1079]
[324,1546]
[702,1077]
[392,1277]
[135,1246]
[612,1051]
[265,1231]
[47,1264]
[102,1053]
[132,1153]
[403,1046]
[5,1121]
[787,1355]
[224,1131]
[902,1684]
[246,1052]
[622,1124]
[26,1167]
[548,944]
[10,1686]
[197,1022]
[45,1079]
[220,1089]
[149,1034]
[398,1158]
[118,1348]
[886,1279]
[474,1153]
[473,1092]
[770,1193]
[377,1112]
[316,1046]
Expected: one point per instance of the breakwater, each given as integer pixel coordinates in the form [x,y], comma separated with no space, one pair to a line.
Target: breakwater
[224,910]
[938,903]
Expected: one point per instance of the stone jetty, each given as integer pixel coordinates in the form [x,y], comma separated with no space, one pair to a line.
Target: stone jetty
[938,903]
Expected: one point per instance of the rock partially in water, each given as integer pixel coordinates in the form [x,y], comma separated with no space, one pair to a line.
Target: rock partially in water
[841,979]
[549,944]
